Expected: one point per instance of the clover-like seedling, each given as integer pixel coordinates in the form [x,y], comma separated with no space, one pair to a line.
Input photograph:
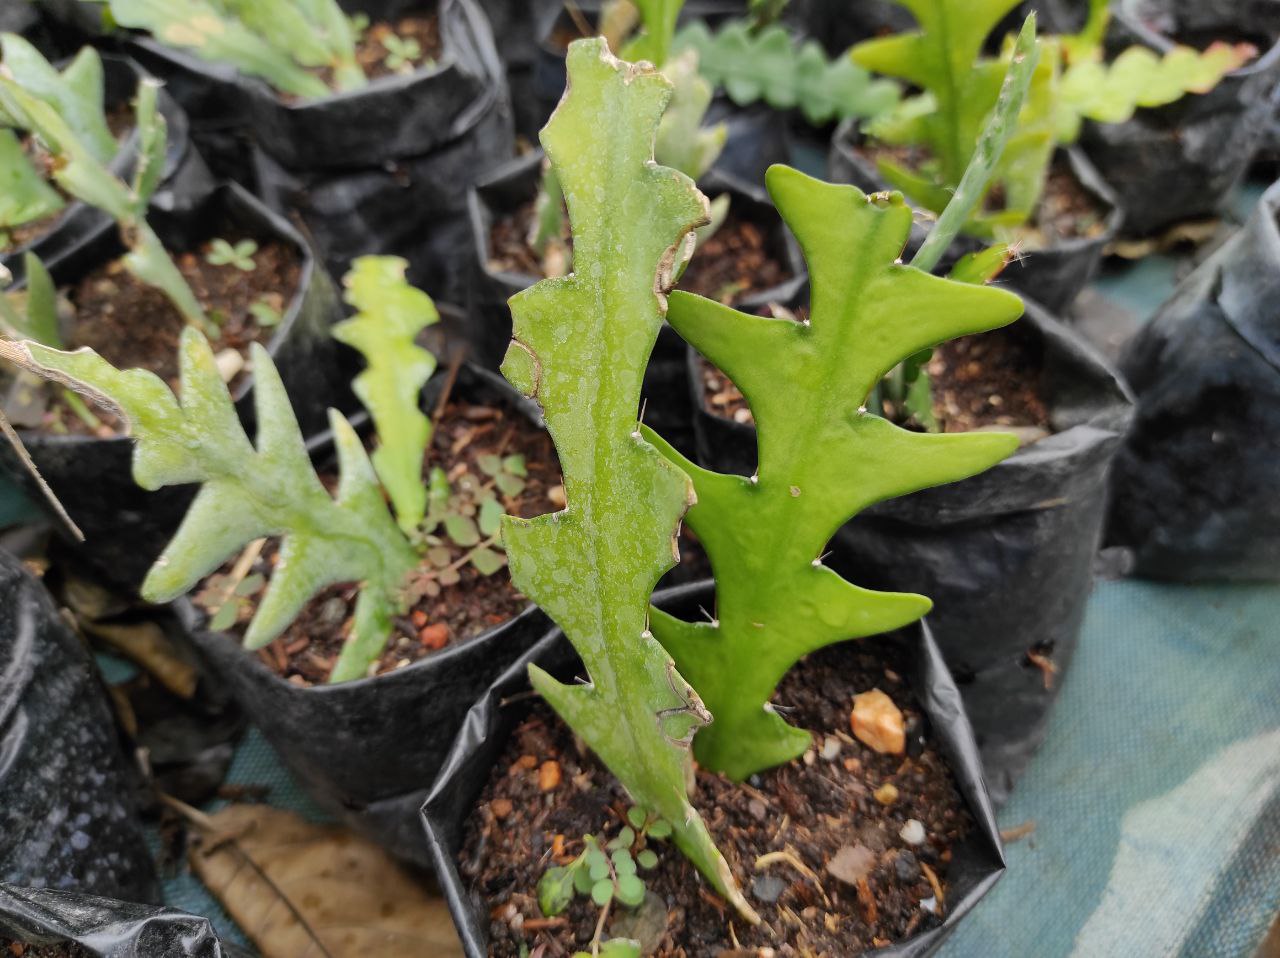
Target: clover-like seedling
[285,42]
[266,312]
[239,255]
[605,874]
[580,347]
[402,53]
[26,104]
[960,85]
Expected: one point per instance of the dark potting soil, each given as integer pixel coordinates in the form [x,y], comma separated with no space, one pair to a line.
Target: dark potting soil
[9,948]
[448,613]
[982,381]
[545,793]
[735,262]
[372,51]
[119,121]
[1066,210]
[134,325]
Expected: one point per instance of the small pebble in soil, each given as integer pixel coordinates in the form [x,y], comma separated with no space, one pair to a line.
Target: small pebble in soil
[887,793]
[907,867]
[852,863]
[831,748]
[549,776]
[912,833]
[768,889]
[878,723]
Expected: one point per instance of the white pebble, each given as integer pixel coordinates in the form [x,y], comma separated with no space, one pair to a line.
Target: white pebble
[912,833]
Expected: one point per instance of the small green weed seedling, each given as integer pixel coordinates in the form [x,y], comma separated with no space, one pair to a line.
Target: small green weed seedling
[606,873]
[239,255]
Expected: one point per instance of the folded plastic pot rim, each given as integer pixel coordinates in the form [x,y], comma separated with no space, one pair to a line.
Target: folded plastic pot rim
[393,116]
[368,749]
[105,927]
[977,863]
[79,223]
[1053,275]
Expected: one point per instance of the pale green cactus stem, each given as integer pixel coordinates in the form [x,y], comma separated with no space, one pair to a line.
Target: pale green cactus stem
[822,458]
[769,65]
[988,151]
[390,315]
[580,347]
[961,86]
[276,40]
[77,93]
[83,175]
[249,491]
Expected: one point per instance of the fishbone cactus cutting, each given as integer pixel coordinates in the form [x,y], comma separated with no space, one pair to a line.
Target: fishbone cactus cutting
[581,343]
[391,314]
[822,458]
[249,492]
[944,58]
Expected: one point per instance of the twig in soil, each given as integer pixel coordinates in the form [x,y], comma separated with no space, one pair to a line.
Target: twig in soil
[450,378]
[579,21]
[1018,832]
[237,574]
[935,885]
[792,859]
[25,458]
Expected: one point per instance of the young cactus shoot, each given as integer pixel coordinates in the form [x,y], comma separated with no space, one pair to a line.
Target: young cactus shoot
[581,343]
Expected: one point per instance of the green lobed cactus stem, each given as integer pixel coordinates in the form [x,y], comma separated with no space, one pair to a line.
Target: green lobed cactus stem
[961,87]
[768,65]
[77,94]
[658,18]
[199,439]
[276,40]
[81,174]
[390,315]
[988,151]
[822,458]
[580,346]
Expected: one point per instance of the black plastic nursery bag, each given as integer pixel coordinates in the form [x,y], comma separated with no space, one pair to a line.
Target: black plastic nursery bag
[367,750]
[68,795]
[1181,161]
[976,866]
[1196,490]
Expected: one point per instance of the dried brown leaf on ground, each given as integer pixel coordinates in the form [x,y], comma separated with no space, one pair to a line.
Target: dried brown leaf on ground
[145,644]
[301,890]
